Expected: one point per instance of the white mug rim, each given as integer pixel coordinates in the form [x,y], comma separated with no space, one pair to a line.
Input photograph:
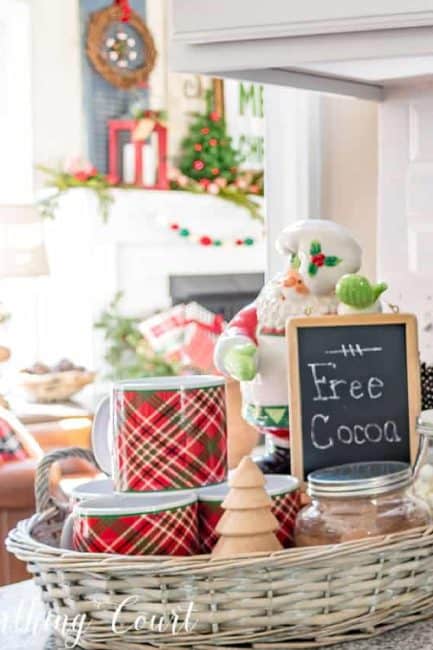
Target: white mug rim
[130,505]
[102,487]
[177,382]
[282,485]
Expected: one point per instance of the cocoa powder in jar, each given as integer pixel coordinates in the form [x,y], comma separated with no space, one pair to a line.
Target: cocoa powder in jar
[341,517]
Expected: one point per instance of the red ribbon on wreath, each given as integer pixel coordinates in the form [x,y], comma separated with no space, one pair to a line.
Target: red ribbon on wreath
[125,8]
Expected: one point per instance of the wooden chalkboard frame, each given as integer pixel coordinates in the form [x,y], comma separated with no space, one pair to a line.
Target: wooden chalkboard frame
[413,373]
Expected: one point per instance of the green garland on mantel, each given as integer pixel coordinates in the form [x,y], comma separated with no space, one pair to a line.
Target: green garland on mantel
[102,185]
[237,193]
[62,181]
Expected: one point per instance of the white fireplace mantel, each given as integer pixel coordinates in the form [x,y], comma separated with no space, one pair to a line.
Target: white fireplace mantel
[135,252]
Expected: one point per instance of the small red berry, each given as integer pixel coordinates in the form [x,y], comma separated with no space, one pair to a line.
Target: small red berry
[198,165]
[205,130]
[215,116]
[213,142]
[239,242]
[318,259]
[215,171]
[174,226]
[205,240]
[198,146]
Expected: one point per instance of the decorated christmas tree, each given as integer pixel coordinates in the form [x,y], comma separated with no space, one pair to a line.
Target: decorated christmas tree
[247,525]
[207,152]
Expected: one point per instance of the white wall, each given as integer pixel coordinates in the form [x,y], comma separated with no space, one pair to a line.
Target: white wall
[16,172]
[292,163]
[405,257]
[58,120]
[350,169]
[322,163]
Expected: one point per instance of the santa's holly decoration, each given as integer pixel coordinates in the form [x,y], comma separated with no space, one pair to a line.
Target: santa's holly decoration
[253,349]
[318,259]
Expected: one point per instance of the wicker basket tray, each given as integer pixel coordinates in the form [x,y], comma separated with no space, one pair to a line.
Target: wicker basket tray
[295,598]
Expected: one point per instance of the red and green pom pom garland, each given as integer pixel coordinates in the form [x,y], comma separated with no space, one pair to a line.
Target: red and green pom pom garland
[206,240]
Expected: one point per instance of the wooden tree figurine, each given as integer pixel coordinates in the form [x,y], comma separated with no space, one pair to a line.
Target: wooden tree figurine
[247,525]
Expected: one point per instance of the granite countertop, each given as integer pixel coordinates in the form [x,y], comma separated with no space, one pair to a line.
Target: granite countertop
[22,627]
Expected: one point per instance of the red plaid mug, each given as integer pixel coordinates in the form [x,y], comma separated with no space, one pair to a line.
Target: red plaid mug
[286,502]
[134,525]
[163,433]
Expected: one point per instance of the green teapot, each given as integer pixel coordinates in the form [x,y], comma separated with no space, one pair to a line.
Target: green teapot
[357,294]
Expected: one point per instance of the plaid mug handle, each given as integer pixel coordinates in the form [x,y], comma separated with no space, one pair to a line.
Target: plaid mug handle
[44,500]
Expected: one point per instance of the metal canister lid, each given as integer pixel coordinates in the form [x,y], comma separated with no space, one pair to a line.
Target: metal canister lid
[359,479]
[424,423]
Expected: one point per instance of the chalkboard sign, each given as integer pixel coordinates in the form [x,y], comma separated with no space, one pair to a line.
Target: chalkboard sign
[354,390]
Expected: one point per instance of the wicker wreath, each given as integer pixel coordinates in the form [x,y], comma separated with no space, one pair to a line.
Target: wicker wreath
[99,23]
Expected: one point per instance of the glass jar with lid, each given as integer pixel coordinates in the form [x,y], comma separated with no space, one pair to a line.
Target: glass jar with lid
[359,500]
[423,473]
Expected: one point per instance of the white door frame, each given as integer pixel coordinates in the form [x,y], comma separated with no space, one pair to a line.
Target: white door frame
[293,162]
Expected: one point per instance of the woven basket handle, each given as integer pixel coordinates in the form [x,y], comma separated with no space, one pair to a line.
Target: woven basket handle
[44,500]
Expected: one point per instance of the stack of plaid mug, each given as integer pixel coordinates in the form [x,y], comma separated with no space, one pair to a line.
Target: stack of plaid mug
[163,442]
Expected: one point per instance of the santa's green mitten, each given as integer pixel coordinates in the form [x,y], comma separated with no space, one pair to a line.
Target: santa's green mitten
[241,362]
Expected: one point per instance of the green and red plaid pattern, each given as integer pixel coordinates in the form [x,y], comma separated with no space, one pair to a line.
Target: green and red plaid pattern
[169,532]
[209,514]
[285,507]
[170,439]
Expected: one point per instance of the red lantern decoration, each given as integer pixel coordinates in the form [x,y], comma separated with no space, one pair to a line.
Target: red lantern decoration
[138,148]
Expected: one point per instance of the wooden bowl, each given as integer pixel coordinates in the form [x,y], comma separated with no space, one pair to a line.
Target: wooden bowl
[55,386]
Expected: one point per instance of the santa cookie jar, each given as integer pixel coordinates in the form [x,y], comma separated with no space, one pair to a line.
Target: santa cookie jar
[253,348]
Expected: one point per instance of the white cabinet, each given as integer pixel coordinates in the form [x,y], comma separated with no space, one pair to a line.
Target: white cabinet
[339,46]
[204,21]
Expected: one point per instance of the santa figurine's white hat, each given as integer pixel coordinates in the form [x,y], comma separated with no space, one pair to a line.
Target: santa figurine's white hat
[322,250]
